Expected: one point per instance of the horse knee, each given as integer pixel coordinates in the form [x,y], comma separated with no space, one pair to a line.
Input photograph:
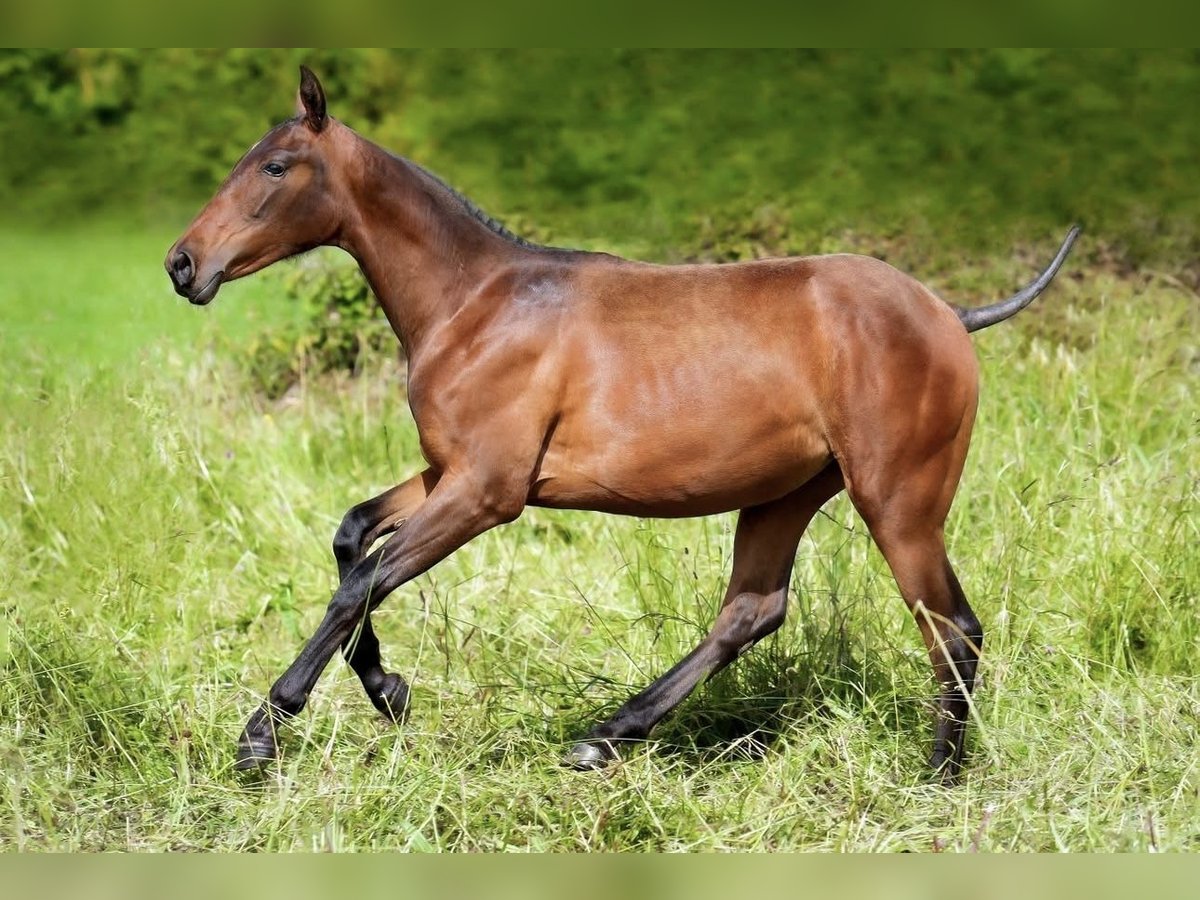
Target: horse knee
[347,540]
[349,601]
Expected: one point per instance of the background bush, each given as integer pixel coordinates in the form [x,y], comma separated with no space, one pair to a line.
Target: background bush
[339,325]
[962,150]
[924,158]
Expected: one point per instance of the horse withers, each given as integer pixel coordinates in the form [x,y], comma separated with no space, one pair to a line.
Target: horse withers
[549,377]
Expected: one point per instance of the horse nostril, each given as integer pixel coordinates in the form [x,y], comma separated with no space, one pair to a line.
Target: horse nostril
[182,267]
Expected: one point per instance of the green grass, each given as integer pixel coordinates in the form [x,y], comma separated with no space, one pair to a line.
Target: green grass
[164,550]
[95,295]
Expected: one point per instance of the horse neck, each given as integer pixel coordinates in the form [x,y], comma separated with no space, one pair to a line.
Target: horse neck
[420,249]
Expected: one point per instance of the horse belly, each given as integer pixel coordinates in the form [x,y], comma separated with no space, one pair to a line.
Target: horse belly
[726,449]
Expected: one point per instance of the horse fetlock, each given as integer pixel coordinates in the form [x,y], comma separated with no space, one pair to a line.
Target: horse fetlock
[284,704]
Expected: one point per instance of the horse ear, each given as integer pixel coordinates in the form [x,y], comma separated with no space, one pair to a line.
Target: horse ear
[311,101]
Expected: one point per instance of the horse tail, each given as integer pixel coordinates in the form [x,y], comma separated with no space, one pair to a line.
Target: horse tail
[984,316]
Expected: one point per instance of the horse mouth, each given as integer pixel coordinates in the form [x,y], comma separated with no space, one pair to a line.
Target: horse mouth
[206,293]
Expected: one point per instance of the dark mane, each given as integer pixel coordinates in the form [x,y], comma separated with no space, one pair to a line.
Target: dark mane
[474,211]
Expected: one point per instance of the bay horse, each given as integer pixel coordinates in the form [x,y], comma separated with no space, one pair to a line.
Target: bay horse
[557,378]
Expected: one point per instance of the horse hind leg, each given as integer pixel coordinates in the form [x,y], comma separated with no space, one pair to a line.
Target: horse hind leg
[755,605]
[952,633]
[905,509]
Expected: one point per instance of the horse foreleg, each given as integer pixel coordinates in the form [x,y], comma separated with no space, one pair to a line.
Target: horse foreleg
[457,509]
[361,527]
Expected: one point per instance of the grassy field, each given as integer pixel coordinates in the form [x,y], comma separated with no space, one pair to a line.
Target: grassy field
[164,550]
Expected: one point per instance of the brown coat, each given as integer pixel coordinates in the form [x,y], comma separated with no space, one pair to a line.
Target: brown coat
[583,381]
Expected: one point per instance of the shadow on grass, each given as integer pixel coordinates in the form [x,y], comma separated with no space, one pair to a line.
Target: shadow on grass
[742,714]
[772,692]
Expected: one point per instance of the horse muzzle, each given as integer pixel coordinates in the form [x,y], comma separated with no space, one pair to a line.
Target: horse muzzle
[181,268]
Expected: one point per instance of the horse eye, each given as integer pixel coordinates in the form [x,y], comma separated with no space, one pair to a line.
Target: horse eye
[274,169]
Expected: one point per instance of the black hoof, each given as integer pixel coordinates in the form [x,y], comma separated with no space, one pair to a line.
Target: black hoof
[392,698]
[586,757]
[255,753]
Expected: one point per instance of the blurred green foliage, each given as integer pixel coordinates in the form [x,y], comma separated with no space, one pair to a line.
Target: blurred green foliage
[340,325]
[645,152]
